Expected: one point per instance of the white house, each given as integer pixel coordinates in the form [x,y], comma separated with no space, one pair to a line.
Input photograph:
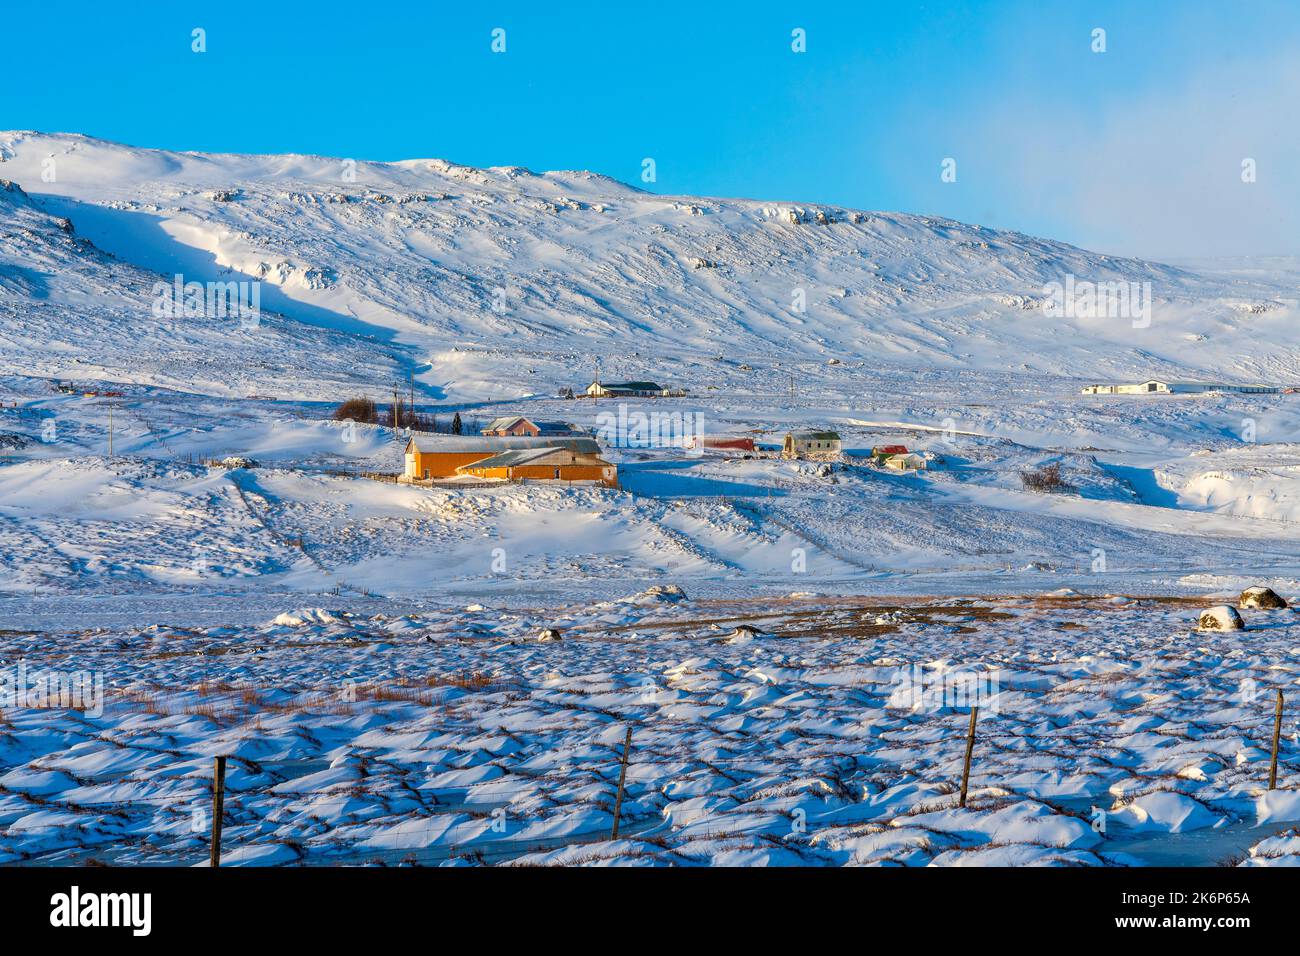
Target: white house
[625,389]
[908,462]
[1155,386]
[811,444]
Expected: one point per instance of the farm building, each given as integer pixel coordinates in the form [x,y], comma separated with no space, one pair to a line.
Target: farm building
[811,444]
[1177,388]
[517,425]
[438,456]
[881,452]
[626,389]
[544,464]
[723,443]
[909,461]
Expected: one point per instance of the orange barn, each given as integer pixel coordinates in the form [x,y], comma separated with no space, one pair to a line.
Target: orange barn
[544,464]
[442,456]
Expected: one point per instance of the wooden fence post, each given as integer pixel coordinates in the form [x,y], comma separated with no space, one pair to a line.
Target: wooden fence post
[970,746]
[218,806]
[622,778]
[1277,736]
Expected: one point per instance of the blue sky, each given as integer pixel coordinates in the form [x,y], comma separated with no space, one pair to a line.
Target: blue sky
[1135,150]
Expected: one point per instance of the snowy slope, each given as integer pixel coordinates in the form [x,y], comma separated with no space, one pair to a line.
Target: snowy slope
[470,270]
[70,309]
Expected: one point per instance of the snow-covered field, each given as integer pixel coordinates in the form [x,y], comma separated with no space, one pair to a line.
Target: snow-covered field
[833,733]
[420,718]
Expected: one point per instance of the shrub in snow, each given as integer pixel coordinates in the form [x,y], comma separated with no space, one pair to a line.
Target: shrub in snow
[357,410]
[1221,617]
[1261,597]
[1046,479]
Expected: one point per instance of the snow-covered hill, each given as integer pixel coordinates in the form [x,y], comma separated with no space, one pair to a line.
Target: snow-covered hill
[502,282]
[494,287]
[70,309]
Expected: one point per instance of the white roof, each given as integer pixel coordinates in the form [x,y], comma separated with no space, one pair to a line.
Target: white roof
[517,456]
[432,444]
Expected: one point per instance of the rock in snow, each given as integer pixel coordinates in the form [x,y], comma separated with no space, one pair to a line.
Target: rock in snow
[1221,617]
[306,616]
[1261,597]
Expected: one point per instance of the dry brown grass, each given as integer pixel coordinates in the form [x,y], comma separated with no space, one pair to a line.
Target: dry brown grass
[476,680]
[211,711]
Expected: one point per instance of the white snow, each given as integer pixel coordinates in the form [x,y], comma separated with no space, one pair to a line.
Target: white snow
[367,652]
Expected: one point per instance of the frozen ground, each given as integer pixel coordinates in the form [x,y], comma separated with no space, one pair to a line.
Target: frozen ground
[1110,734]
[395,726]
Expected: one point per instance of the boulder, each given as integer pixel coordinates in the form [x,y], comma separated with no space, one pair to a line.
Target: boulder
[1221,617]
[1261,597]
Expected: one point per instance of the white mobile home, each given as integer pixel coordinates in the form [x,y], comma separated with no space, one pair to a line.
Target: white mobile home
[1157,387]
